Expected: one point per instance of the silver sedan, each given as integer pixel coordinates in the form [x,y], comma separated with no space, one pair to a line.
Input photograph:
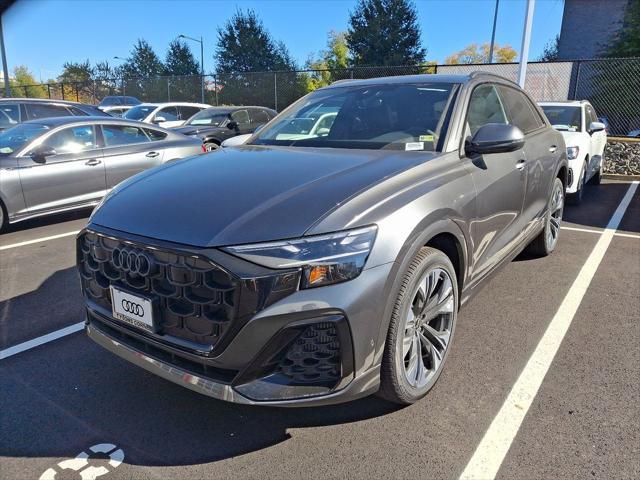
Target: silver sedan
[63,163]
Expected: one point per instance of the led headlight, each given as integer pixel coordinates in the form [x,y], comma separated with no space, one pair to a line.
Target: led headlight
[572,152]
[324,259]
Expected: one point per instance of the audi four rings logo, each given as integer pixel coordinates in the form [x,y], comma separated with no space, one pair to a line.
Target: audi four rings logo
[133,307]
[133,262]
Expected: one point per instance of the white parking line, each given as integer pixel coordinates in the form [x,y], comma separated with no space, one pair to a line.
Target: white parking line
[38,240]
[36,342]
[589,230]
[495,444]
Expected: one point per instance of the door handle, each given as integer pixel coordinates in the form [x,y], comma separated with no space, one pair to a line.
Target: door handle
[521,164]
[552,149]
[93,162]
[152,154]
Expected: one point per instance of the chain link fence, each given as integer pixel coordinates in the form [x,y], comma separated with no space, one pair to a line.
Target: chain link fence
[611,85]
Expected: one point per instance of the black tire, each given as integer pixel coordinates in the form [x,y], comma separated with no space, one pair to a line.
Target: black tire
[4,219]
[597,177]
[540,246]
[211,146]
[576,198]
[394,385]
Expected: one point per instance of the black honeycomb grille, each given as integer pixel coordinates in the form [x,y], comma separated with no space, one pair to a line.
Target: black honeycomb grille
[314,356]
[197,299]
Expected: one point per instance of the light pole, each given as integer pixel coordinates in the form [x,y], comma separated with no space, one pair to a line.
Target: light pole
[201,63]
[493,32]
[5,68]
[526,39]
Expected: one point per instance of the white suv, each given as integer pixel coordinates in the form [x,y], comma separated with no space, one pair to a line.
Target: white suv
[585,138]
[167,115]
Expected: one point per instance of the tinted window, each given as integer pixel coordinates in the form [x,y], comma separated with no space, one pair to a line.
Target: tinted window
[76,111]
[115,135]
[240,116]
[44,110]
[155,134]
[188,112]
[520,111]
[210,116]
[9,114]
[73,139]
[563,118]
[391,116]
[131,101]
[139,112]
[16,138]
[170,114]
[259,116]
[485,107]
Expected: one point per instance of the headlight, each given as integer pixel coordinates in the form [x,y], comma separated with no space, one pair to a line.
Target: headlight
[324,259]
[572,153]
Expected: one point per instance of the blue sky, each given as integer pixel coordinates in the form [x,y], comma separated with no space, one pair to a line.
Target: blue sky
[43,34]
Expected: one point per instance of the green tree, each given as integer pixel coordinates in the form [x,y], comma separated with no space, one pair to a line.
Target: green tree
[180,60]
[385,32]
[626,42]
[141,71]
[331,64]
[550,51]
[244,45]
[474,53]
[24,84]
[77,80]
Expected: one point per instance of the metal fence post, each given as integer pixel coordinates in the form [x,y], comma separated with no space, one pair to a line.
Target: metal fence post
[62,90]
[275,91]
[215,87]
[168,90]
[49,91]
[77,94]
[26,92]
[575,86]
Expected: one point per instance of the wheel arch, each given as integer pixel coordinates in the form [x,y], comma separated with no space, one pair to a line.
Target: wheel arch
[211,139]
[444,235]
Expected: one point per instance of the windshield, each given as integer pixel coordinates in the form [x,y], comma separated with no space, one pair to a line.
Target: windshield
[398,117]
[111,101]
[139,112]
[211,118]
[16,138]
[564,118]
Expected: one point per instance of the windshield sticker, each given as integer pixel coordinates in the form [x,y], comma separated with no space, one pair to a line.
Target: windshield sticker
[426,138]
[410,146]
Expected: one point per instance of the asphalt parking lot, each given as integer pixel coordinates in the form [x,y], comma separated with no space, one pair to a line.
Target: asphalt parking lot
[68,395]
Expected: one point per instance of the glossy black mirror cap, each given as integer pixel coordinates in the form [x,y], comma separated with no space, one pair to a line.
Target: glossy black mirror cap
[40,154]
[495,138]
[232,125]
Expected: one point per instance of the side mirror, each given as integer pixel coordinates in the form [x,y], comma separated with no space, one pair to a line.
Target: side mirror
[495,138]
[232,125]
[596,127]
[159,119]
[40,154]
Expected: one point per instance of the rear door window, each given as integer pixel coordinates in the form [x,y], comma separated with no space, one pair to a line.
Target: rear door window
[520,111]
[485,107]
[170,114]
[116,135]
[187,112]
[46,110]
[259,116]
[241,117]
[155,135]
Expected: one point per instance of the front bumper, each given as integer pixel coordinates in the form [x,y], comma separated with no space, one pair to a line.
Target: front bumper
[308,347]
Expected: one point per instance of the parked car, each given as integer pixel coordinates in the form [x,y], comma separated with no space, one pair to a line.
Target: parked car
[116,111]
[17,110]
[216,124]
[167,115]
[118,101]
[56,164]
[585,138]
[322,269]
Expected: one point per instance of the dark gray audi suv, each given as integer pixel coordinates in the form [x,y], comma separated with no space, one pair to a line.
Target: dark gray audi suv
[321,263]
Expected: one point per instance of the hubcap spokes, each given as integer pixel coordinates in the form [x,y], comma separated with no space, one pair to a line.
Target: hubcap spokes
[555,217]
[428,327]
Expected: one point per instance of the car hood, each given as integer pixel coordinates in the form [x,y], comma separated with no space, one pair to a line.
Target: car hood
[574,139]
[246,194]
[197,130]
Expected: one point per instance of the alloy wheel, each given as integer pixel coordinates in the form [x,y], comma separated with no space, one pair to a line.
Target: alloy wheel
[555,216]
[427,327]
